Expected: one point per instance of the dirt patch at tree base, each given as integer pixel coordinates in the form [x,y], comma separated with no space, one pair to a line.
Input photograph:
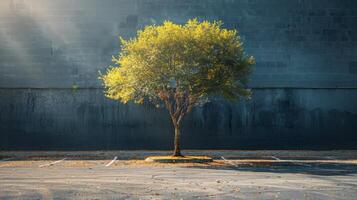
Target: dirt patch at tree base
[179,159]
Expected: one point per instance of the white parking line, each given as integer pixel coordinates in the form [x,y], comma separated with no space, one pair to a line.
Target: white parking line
[274,157]
[52,163]
[111,162]
[331,157]
[6,159]
[229,162]
[296,162]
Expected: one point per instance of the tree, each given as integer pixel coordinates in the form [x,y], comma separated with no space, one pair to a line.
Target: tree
[179,67]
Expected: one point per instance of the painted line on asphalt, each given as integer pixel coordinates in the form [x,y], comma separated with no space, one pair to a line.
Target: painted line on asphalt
[229,162]
[6,159]
[296,162]
[331,157]
[52,163]
[276,158]
[111,162]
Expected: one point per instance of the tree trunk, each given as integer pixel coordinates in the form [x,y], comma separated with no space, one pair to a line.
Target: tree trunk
[178,104]
[177,151]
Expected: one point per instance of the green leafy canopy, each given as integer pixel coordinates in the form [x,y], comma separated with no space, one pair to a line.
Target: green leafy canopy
[191,61]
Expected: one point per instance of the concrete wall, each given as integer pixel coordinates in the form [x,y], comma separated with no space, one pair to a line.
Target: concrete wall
[305,80]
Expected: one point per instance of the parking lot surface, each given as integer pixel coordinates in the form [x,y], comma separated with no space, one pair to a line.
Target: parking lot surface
[233,175]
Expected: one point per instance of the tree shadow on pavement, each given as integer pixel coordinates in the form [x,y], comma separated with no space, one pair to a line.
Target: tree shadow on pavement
[319,169]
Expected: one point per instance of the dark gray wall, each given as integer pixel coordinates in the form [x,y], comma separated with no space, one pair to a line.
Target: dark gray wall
[84,119]
[305,80]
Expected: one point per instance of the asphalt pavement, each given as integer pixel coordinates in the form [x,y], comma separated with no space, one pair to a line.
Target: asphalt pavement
[69,175]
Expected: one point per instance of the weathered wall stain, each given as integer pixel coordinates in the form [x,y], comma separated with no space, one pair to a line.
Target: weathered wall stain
[85,119]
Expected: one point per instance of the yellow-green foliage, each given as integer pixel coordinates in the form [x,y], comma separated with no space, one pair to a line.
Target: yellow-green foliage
[198,58]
